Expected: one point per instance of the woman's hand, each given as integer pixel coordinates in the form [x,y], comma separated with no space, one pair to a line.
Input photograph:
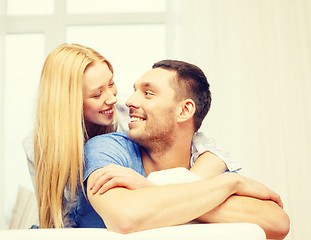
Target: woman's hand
[117,176]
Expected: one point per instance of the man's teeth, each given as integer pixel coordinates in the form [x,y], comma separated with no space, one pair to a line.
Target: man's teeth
[136,119]
[106,111]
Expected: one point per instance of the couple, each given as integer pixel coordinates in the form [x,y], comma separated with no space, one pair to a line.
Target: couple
[167,108]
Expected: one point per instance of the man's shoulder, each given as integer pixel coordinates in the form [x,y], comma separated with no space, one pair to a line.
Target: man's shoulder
[115,148]
[110,140]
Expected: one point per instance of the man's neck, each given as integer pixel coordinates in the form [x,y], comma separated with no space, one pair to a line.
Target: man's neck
[178,155]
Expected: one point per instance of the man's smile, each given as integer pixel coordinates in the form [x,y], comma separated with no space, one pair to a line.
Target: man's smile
[137,119]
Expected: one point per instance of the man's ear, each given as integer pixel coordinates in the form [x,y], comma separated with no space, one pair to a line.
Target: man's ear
[186,110]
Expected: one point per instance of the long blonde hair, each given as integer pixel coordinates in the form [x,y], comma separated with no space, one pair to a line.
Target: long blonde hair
[59,131]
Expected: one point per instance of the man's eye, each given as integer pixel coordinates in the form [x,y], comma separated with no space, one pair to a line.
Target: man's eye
[111,84]
[148,93]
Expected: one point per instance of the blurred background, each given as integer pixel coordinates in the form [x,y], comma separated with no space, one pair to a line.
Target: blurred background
[256,54]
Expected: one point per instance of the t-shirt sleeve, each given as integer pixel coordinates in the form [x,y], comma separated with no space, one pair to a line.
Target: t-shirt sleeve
[101,151]
[201,144]
[29,150]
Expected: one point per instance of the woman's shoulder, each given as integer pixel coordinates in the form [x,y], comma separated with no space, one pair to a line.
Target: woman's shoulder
[28,146]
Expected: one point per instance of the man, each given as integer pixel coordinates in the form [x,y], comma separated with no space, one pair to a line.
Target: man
[167,108]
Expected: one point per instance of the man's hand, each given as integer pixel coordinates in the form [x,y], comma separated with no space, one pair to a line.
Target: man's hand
[117,176]
[251,188]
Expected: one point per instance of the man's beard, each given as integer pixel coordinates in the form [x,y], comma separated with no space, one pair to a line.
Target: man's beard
[154,138]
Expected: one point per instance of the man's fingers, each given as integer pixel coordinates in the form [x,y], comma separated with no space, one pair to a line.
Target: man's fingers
[95,179]
[112,183]
[276,198]
[112,169]
[99,183]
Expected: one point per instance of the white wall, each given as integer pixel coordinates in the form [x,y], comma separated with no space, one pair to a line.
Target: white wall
[2,26]
[257,55]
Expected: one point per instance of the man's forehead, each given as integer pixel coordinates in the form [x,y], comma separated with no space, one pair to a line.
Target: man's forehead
[156,77]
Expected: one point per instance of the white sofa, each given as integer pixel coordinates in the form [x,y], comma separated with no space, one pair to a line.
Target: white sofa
[25,214]
[223,231]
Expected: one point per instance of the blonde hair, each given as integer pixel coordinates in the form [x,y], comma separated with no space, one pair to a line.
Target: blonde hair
[59,131]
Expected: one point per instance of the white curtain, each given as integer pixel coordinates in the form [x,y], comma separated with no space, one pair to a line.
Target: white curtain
[257,56]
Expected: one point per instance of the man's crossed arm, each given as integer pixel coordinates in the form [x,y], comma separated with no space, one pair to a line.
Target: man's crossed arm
[227,197]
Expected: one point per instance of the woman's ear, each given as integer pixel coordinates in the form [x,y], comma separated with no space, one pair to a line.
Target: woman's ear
[186,110]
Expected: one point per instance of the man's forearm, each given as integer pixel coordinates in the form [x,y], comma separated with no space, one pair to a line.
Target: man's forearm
[265,213]
[126,211]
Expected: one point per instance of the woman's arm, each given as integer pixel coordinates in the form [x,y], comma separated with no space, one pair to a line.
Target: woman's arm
[207,160]
[29,151]
[208,165]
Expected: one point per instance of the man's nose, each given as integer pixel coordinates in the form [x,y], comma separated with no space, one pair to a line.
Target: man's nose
[132,101]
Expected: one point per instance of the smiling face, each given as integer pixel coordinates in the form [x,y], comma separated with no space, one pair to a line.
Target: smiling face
[153,109]
[99,95]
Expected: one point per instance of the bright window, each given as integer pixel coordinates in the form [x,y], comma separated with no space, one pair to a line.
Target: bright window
[131,49]
[109,6]
[123,31]
[24,60]
[30,7]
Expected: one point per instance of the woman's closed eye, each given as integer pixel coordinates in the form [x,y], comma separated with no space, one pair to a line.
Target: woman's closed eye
[97,95]
[111,84]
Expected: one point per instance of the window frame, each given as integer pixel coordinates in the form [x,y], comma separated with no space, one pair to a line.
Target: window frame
[54,29]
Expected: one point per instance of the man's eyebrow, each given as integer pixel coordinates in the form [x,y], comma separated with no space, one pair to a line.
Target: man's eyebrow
[146,85]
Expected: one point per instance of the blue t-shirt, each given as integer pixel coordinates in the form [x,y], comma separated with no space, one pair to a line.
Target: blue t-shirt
[101,151]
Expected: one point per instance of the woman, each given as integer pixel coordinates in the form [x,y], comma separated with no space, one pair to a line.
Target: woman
[76,101]
[65,120]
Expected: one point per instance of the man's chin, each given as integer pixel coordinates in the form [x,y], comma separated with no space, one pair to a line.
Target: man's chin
[131,135]
[135,136]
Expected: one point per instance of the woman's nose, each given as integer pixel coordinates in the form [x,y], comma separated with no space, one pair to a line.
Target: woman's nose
[111,100]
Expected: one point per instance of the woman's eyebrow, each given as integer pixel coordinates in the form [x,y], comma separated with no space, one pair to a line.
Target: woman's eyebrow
[95,89]
[101,86]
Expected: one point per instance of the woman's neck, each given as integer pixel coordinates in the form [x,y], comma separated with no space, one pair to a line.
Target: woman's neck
[92,129]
